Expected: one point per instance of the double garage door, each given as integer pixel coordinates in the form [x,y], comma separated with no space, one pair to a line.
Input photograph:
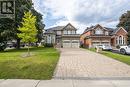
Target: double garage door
[71,44]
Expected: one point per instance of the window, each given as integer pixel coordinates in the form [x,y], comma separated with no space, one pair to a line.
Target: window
[65,31]
[58,32]
[98,31]
[49,39]
[106,33]
[121,40]
[69,32]
[73,32]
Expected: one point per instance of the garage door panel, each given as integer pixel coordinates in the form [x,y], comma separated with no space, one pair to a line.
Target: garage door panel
[75,44]
[66,44]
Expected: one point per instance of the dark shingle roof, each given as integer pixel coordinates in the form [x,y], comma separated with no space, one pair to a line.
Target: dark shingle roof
[57,28]
[51,30]
[88,29]
[112,31]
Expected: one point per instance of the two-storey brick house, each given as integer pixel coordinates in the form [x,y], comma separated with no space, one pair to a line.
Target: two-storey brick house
[96,35]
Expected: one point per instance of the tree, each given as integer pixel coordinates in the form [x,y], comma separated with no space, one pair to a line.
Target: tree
[28,29]
[125,22]
[21,7]
[6,32]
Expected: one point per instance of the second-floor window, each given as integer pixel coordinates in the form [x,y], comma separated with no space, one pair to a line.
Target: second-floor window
[58,32]
[69,32]
[65,31]
[106,33]
[98,31]
[73,32]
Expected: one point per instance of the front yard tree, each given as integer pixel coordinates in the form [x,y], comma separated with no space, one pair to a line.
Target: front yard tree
[28,29]
[6,32]
[125,22]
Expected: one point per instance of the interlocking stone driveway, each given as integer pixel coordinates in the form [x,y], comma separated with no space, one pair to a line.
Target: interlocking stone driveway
[80,63]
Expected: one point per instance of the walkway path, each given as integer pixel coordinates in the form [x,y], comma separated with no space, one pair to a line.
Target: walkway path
[83,64]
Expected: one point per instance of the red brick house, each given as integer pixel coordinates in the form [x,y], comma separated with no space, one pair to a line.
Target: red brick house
[96,35]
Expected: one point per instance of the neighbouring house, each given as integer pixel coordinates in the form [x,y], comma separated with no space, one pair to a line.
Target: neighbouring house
[63,36]
[97,35]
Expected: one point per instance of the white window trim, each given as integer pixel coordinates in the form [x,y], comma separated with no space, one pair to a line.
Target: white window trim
[120,40]
[98,31]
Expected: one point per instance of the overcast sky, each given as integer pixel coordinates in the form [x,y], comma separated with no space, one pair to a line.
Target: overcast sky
[81,13]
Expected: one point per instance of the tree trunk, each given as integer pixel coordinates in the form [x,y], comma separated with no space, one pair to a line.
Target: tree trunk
[18,44]
[28,50]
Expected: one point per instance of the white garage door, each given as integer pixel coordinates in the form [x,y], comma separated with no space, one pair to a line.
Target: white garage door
[70,44]
[75,44]
[66,44]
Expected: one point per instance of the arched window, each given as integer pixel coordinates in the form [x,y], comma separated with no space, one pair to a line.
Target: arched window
[120,40]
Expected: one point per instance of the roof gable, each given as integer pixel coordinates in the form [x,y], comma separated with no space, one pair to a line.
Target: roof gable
[120,29]
[99,26]
[69,27]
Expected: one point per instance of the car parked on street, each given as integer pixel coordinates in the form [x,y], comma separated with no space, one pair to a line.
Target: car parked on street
[125,49]
[104,47]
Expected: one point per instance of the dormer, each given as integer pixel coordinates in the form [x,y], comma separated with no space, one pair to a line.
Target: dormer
[69,29]
[99,30]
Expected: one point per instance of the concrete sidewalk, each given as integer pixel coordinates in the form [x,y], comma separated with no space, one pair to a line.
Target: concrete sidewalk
[64,83]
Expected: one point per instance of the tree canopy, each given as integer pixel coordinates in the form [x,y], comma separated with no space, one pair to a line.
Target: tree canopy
[6,32]
[125,22]
[28,29]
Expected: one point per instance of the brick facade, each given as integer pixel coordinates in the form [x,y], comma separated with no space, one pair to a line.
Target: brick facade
[108,36]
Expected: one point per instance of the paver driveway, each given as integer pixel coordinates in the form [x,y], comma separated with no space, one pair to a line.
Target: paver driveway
[80,63]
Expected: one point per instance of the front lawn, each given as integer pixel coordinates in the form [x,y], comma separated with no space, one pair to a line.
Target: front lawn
[119,57]
[39,66]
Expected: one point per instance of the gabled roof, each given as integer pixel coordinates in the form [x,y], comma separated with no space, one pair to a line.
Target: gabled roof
[117,29]
[93,27]
[111,30]
[88,29]
[51,30]
[70,25]
[56,28]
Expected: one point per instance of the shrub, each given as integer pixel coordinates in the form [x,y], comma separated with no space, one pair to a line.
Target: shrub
[3,46]
[48,45]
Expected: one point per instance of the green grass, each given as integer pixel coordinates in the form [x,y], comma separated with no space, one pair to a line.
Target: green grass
[119,57]
[39,66]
